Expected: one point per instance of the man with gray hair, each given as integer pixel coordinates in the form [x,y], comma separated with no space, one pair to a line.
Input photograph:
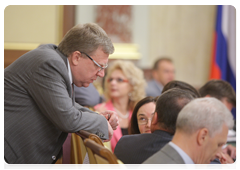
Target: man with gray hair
[201,131]
[223,91]
[39,105]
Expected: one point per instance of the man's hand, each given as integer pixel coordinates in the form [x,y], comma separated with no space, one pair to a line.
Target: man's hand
[110,132]
[230,150]
[112,118]
[222,158]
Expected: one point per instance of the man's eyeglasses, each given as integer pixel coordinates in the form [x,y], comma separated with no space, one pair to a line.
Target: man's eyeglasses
[143,120]
[119,80]
[101,68]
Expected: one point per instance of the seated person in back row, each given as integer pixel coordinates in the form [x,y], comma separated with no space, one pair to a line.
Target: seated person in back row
[134,149]
[223,91]
[163,72]
[201,131]
[220,89]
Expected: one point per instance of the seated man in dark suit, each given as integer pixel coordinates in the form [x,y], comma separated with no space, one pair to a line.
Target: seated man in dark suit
[134,149]
[201,131]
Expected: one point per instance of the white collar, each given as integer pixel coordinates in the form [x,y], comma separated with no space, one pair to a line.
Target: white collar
[69,72]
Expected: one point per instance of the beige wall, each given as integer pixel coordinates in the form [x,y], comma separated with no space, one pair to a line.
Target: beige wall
[184,33]
[32,24]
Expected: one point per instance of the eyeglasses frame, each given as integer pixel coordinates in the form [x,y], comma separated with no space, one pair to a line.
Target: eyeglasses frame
[123,80]
[101,68]
[146,121]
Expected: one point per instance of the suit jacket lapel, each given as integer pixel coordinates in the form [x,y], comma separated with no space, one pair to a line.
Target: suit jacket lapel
[72,86]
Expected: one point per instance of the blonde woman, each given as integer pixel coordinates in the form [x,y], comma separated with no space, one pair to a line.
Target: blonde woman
[124,86]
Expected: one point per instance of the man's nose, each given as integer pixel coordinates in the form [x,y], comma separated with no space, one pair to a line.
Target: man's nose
[101,73]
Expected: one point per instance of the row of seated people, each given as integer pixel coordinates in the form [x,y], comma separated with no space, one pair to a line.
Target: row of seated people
[124,86]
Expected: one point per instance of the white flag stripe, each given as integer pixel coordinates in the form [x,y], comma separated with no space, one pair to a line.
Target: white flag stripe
[229,32]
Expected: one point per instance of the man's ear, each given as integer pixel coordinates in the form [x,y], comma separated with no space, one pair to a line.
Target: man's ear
[155,119]
[202,136]
[74,58]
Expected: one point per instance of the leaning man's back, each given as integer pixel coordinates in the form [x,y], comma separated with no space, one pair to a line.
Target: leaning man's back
[38,110]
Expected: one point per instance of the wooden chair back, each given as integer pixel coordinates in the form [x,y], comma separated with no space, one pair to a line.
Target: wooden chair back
[78,149]
[98,154]
[84,135]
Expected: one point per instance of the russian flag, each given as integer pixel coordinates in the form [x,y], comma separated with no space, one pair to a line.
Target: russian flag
[223,64]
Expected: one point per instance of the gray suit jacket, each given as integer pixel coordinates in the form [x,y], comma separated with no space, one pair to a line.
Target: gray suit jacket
[153,88]
[167,155]
[38,108]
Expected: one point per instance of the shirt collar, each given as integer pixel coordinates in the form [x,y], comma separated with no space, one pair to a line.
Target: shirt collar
[69,72]
[184,156]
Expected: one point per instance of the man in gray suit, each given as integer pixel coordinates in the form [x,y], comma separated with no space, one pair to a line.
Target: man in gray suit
[163,72]
[39,106]
[223,91]
[134,149]
[201,131]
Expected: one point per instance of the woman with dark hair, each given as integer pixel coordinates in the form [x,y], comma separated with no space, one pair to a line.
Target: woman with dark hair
[142,116]
[144,109]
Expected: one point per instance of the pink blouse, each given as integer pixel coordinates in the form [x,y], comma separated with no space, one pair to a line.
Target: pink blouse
[117,134]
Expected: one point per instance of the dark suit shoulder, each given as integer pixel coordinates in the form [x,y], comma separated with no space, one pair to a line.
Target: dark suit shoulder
[134,137]
[134,149]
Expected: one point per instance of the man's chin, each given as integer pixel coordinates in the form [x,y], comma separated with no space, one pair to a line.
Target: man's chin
[85,84]
[82,85]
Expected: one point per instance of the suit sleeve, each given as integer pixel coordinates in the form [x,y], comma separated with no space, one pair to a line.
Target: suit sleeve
[49,87]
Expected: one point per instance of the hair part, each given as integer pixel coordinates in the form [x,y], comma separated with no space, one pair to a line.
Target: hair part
[207,113]
[219,89]
[86,38]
